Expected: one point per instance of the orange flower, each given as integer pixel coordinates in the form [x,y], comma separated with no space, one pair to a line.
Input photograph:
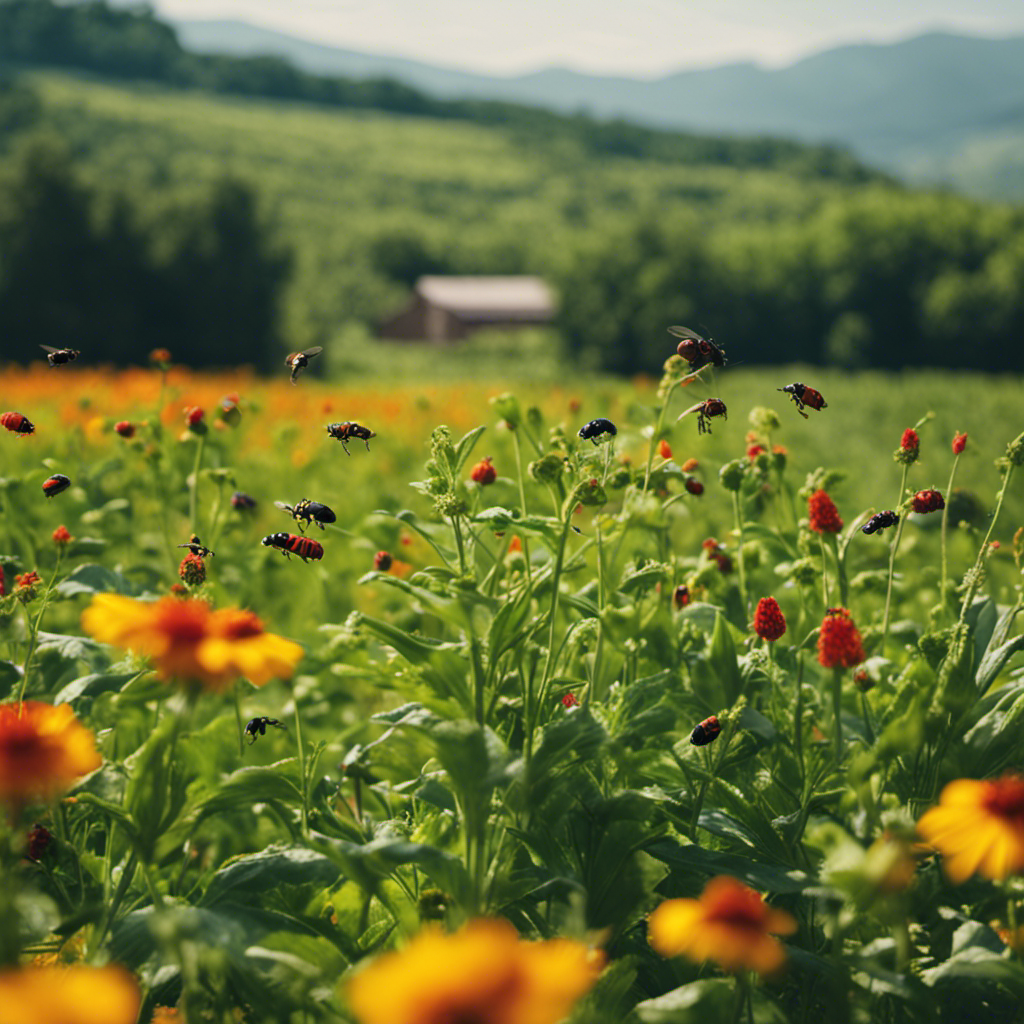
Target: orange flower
[483,973]
[68,995]
[978,827]
[61,536]
[188,640]
[730,924]
[43,750]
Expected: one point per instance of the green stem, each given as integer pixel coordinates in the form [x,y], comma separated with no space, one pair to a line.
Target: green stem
[302,764]
[556,577]
[945,524]
[798,723]
[595,674]
[738,516]
[824,572]
[837,711]
[457,530]
[34,627]
[238,718]
[522,500]
[656,436]
[975,582]
[193,498]
[892,561]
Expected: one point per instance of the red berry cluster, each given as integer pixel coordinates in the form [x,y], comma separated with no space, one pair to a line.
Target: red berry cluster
[927,501]
[823,513]
[769,622]
[570,700]
[839,642]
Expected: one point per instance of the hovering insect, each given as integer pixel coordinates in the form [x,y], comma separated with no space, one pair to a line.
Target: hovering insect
[697,350]
[305,547]
[59,356]
[705,411]
[705,732]
[344,432]
[804,396]
[195,545]
[259,725]
[52,486]
[16,423]
[305,512]
[242,501]
[880,521]
[298,361]
[595,428]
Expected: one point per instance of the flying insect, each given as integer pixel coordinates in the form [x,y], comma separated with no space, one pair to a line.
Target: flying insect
[59,356]
[344,432]
[195,546]
[306,512]
[298,361]
[259,725]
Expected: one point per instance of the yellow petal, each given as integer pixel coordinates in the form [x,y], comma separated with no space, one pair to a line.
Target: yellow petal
[673,925]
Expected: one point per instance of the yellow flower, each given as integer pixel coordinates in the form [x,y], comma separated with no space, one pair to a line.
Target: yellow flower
[43,749]
[978,826]
[68,995]
[483,973]
[189,641]
[729,924]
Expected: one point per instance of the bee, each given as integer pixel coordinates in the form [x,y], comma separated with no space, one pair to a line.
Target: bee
[705,732]
[344,431]
[259,725]
[696,350]
[240,501]
[705,410]
[16,423]
[595,428]
[59,356]
[880,521]
[298,361]
[804,396]
[52,486]
[305,512]
[195,545]
[305,547]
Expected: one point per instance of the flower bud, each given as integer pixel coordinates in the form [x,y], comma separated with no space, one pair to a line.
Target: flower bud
[61,537]
[908,450]
[547,469]
[959,443]
[1015,451]
[927,501]
[664,450]
[161,358]
[483,472]
[507,407]
[194,419]
[731,474]
[192,570]
[769,622]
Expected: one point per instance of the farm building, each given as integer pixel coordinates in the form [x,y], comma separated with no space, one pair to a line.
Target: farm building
[451,308]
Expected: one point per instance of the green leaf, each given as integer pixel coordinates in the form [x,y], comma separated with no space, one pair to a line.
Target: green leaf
[578,735]
[757,874]
[277,782]
[643,579]
[464,446]
[97,579]
[93,685]
[10,677]
[257,873]
[112,810]
[994,660]
[696,1003]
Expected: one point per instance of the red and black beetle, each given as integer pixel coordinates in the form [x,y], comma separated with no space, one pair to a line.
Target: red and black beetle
[804,396]
[305,547]
[706,731]
[53,485]
[696,350]
[16,423]
[705,410]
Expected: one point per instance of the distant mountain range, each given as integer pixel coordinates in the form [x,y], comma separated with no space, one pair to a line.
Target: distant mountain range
[938,108]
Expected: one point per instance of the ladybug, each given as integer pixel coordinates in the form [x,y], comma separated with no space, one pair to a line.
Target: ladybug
[705,411]
[305,547]
[681,596]
[298,361]
[804,396]
[595,428]
[242,501]
[696,350]
[306,511]
[16,423]
[344,431]
[195,546]
[259,725]
[880,521]
[53,485]
[705,732]
[59,356]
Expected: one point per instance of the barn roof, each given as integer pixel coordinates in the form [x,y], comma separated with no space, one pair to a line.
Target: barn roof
[489,298]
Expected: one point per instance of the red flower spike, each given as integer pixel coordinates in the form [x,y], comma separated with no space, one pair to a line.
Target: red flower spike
[927,501]
[769,622]
[823,513]
[959,443]
[570,700]
[839,642]
[910,442]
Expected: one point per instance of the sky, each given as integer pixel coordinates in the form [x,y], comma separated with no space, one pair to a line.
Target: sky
[638,38]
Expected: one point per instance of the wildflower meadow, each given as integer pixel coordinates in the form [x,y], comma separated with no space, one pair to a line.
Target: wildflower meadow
[695,699]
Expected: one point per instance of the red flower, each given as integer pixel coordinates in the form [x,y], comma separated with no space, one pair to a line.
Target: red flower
[193,416]
[769,622]
[694,486]
[823,513]
[681,596]
[959,443]
[483,472]
[61,536]
[664,450]
[910,442]
[515,544]
[689,465]
[928,501]
[382,561]
[192,570]
[25,585]
[710,545]
[124,429]
[754,450]
[839,642]
[570,700]
[160,357]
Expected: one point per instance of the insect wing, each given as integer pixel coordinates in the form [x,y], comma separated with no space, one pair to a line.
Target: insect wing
[685,332]
[283,507]
[693,408]
[310,352]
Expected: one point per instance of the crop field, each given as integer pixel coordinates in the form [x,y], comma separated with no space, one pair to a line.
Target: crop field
[635,726]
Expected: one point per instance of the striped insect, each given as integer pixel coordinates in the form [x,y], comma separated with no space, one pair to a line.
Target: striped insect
[16,423]
[195,546]
[306,512]
[705,411]
[804,396]
[59,356]
[292,544]
[698,351]
[705,732]
[53,485]
[298,361]
[259,725]
[343,432]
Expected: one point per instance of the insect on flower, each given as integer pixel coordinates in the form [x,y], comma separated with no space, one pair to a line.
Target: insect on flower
[698,351]
[706,732]
[343,432]
[16,423]
[306,512]
[53,485]
[596,428]
[298,361]
[259,725]
[305,547]
[880,521]
[59,356]
[804,396]
[195,546]
[705,410]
